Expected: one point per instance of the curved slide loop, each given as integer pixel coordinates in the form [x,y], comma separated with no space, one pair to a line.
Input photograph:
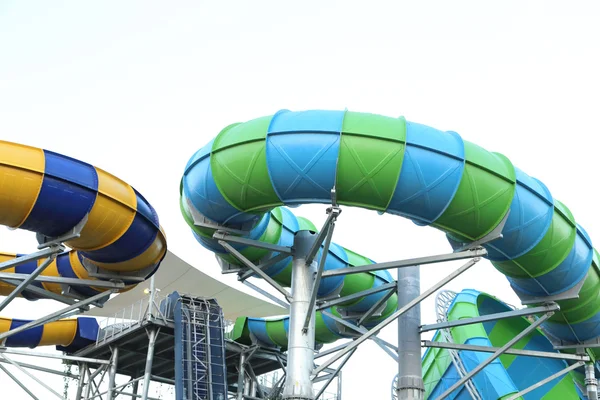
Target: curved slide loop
[50,194]
[508,374]
[250,170]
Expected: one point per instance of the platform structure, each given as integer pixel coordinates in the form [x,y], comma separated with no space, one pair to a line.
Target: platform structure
[302,304]
[139,343]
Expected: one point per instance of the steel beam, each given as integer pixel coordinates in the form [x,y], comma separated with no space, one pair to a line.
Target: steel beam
[333,375]
[390,349]
[475,253]
[18,382]
[29,374]
[491,317]
[496,354]
[329,227]
[43,293]
[396,314]
[44,253]
[376,306]
[546,380]
[357,295]
[66,281]
[254,268]
[516,352]
[267,294]
[6,350]
[333,212]
[43,369]
[25,283]
[53,316]
[262,266]
[225,237]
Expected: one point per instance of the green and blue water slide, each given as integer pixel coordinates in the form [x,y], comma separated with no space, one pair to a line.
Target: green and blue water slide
[251,171]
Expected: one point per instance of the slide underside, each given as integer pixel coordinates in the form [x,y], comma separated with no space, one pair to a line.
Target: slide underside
[50,194]
[506,375]
[246,174]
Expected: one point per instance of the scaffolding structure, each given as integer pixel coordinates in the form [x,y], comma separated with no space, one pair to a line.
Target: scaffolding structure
[140,344]
[408,384]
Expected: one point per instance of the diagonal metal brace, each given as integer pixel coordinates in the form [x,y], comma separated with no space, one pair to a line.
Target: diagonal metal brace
[254,268]
[226,237]
[328,227]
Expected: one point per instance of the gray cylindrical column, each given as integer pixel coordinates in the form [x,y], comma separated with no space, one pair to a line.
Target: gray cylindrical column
[591,383]
[241,375]
[149,359]
[301,345]
[112,373]
[410,374]
[80,382]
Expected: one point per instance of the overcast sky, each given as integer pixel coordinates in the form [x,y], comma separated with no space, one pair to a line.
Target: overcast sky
[136,87]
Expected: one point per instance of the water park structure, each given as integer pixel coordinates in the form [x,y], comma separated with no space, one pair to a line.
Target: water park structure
[236,195]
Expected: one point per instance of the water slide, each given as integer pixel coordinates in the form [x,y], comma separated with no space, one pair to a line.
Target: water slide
[50,194]
[251,171]
[506,375]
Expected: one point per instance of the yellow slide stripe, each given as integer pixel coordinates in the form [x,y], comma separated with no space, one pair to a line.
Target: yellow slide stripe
[21,175]
[59,333]
[110,217]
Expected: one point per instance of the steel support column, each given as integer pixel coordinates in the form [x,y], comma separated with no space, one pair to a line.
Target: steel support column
[591,384]
[241,375]
[410,374]
[152,334]
[301,344]
[112,373]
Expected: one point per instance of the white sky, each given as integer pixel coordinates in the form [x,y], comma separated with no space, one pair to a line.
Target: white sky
[137,87]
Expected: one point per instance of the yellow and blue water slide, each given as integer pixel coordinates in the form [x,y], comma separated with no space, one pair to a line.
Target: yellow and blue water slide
[50,194]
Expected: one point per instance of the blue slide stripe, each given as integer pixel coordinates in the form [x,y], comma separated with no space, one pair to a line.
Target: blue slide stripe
[528,220]
[307,172]
[427,184]
[139,236]
[27,338]
[68,192]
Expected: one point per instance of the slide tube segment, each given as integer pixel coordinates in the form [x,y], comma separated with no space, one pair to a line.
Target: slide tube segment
[244,177]
[50,194]
[508,374]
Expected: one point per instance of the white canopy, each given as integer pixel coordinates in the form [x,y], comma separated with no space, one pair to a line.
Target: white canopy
[175,274]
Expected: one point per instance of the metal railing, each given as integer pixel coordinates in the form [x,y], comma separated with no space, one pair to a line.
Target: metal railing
[133,316]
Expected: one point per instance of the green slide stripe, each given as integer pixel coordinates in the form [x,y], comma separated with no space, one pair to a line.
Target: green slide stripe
[483,197]
[371,154]
[239,166]
[549,252]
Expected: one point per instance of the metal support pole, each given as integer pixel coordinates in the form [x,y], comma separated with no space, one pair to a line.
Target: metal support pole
[30,375]
[375,330]
[134,390]
[151,297]
[241,373]
[301,344]
[496,354]
[113,373]
[410,373]
[149,358]
[335,374]
[591,384]
[80,382]
[23,285]
[18,382]
[339,386]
